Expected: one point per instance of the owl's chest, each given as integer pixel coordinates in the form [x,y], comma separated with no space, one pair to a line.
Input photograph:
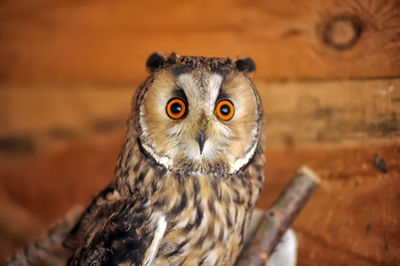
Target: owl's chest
[209,229]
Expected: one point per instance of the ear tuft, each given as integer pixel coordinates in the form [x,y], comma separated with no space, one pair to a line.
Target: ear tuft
[245,64]
[172,58]
[155,61]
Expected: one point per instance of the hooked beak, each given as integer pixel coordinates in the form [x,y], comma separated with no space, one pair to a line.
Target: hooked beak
[201,139]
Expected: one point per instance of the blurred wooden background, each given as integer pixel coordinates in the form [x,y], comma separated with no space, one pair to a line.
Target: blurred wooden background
[328,73]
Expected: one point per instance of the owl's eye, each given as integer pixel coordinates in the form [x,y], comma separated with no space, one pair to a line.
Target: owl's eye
[176,108]
[225,110]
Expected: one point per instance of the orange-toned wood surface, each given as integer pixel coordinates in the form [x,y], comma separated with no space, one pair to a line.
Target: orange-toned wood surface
[351,220]
[108,41]
[353,217]
[39,118]
[328,74]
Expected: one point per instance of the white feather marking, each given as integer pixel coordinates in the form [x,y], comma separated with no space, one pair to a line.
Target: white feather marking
[242,161]
[158,236]
[212,257]
[214,85]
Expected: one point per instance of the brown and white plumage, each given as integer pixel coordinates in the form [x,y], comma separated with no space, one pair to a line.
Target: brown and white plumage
[184,189]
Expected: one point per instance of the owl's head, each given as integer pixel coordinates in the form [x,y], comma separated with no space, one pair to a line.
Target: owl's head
[199,115]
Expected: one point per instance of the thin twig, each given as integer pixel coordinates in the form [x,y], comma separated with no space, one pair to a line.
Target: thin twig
[278,218]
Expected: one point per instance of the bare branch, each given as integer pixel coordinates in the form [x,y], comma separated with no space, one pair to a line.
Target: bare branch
[278,218]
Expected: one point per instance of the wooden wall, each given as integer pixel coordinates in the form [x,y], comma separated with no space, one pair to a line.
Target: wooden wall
[108,41]
[328,73]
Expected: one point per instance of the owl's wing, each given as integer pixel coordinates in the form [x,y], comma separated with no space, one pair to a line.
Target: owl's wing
[124,232]
[75,236]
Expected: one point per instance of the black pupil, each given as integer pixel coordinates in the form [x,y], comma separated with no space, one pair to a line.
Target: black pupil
[176,108]
[225,109]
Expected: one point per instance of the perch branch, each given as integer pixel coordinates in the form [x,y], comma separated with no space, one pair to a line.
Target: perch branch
[278,218]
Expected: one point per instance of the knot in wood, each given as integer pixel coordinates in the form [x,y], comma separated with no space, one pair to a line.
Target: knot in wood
[342,32]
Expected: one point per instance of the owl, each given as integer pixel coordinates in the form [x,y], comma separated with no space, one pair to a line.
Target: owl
[189,172]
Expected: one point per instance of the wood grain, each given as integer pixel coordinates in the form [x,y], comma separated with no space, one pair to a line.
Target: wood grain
[36,119]
[352,219]
[109,41]
[312,112]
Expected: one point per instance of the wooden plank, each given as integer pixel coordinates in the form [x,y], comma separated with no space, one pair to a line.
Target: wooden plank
[311,112]
[75,108]
[37,120]
[298,113]
[109,41]
[351,220]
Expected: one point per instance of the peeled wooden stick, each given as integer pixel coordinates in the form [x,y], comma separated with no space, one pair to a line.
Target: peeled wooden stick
[278,218]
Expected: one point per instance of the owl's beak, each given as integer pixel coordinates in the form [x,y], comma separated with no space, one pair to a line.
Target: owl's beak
[201,139]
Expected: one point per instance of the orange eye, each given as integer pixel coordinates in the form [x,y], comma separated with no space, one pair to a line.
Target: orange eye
[176,108]
[225,110]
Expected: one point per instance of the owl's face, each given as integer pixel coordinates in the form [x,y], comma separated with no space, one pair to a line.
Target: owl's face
[199,116]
